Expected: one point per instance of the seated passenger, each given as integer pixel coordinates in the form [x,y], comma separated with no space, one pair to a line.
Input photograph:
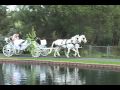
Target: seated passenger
[17,41]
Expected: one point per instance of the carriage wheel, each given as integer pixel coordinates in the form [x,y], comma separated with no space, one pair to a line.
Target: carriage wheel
[35,52]
[44,52]
[18,52]
[8,50]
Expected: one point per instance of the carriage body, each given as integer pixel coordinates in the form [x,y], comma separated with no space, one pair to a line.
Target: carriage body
[40,49]
[11,49]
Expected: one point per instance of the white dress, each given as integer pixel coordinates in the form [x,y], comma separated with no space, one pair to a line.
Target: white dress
[17,43]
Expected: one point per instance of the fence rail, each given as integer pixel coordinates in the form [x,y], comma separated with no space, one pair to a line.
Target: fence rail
[100,51]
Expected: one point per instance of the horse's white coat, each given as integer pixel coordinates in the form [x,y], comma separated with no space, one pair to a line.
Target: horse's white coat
[69,44]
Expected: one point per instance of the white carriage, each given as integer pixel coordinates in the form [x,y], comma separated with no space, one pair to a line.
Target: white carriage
[40,49]
[11,49]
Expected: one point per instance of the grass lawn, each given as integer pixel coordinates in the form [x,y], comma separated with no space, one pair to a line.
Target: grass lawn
[71,60]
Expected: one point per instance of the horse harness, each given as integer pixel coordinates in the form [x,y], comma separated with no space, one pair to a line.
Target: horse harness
[69,43]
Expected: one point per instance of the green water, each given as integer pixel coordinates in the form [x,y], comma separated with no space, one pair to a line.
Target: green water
[19,74]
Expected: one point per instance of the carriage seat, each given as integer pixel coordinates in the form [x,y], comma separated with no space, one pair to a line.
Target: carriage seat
[21,43]
[43,42]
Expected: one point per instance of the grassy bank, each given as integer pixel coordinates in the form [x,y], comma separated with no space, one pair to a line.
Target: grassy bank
[70,60]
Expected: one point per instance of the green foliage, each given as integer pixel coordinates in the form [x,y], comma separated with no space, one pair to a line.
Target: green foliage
[100,23]
[31,37]
[4,20]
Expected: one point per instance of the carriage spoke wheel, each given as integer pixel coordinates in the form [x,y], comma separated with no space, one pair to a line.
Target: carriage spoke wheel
[44,52]
[8,51]
[35,52]
[18,52]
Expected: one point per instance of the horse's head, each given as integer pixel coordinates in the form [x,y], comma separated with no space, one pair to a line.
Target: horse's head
[75,38]
[82,38]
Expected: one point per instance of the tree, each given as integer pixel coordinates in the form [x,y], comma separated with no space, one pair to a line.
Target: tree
[100,23]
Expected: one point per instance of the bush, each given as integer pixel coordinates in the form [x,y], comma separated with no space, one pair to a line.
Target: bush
[31,37]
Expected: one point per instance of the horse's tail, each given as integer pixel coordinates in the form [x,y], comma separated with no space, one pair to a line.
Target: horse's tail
[51,47]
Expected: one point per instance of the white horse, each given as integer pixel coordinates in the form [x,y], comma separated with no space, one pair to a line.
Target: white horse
[79,40]
[69,44]
[59,44]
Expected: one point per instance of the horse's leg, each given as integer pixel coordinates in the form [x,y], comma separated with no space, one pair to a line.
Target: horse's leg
[75,54]
[65,52]
[74,51]
[55,52]
[58,50]
[78,52]
[67,55]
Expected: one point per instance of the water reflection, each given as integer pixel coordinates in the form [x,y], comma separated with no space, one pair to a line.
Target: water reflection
[19,74]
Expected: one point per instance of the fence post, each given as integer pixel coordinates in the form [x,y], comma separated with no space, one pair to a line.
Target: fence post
[108,50]
[90,49]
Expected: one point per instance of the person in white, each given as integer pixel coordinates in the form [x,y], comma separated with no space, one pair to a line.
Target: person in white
[17,41]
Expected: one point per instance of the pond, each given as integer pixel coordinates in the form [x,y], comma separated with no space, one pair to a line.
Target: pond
[43,74]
